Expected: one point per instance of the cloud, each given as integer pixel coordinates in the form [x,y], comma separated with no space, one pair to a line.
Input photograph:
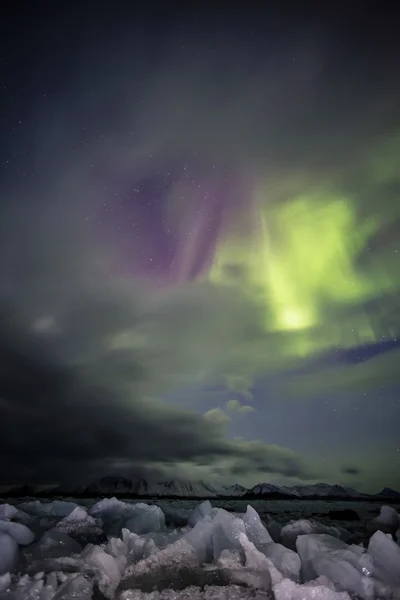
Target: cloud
[349,470]
[217,415]
[235,406]
[79,392]
[86,355]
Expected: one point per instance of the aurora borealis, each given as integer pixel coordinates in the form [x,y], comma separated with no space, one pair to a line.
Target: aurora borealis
[200,257]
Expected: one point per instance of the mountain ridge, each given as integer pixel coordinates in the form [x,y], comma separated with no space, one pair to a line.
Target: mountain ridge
[120,486]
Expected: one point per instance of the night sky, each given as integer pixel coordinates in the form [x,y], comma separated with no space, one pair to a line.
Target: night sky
[200,243]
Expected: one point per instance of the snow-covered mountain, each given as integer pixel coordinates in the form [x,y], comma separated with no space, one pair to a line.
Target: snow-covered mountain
[117,485]
[269,489]
[317,490]
[387,493]
[112,484]
[141,487]
[325,489]
[232,490]
[174,487]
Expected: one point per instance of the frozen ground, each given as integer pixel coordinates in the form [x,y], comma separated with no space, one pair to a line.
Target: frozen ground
[287,550]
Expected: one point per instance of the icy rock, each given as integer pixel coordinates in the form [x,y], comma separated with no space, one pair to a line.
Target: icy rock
[385,554]
[35,508]
[322,554]
[274,528]
[55,508]
[256,563]
[130,548]
[255,530]
[105,567]
[8,553]
[48,565]
[225,532]
[62,508]
[5,582]
[177,517]
[145,519]
[292,530]
[210,592]
[210,536]
[75,586]
[113,513]
[200,538]
[387,521]
[285,560]
[18,531]
[202,510]
[78,522]
[229,559]
[35,588]
[163,538]
[167,568]
[111,508]
[54,544]
[8,512]
[289,590]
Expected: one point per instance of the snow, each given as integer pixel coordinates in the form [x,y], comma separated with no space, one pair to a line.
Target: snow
[232,490]
[121,550]
[317,490]
[182,489]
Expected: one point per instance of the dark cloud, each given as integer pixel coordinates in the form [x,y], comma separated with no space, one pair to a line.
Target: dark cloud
[75,405]
[351,470]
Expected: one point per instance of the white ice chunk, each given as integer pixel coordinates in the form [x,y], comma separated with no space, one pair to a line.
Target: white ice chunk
[210,592]
[167,568]
[289,590]
[8,512]
[113,513]
[200,538]
[36,508]
[111,508]
[285,560]
[62,508]
[387,521]
[55,508]
[323,554]
[106,567]
[75,586]
[385,554]
[202,510]
[225,532]
[257,564]
[78,522]
[18,531]
[54,544]
[145,518]
[8,553]
[178,517]
[5,582]
[255,530]
[130,548]
[163,538]
[290,531]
